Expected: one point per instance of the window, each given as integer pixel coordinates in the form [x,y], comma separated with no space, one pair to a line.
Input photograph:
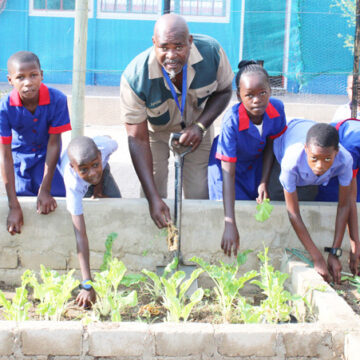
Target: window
[199,7]
[54,8]
[130,6]
[54,4]
[192,10]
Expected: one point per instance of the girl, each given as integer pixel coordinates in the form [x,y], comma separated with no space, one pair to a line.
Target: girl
[242,155]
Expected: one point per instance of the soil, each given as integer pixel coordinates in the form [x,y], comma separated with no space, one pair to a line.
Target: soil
[350,294]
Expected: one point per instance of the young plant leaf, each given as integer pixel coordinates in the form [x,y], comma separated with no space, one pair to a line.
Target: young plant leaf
[263,210]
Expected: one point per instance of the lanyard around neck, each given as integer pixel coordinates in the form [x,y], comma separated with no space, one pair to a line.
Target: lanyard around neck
[174,94]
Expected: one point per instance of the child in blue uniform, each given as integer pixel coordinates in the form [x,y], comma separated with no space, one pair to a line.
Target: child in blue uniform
[310,154]
[242,155]
[32,118]
[349,135]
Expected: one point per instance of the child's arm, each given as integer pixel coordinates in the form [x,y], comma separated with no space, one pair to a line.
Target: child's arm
[354,230]
[342,217]
[45,202]
[268,160]
[15,216]
[230,239]
[292,206]
[85,297]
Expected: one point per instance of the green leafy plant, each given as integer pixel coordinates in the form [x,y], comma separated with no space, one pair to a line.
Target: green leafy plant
[227,281]
[172,288]
[18,308]
[108,251]
[110,300]
[353,280]
[53,293]
[264,210]
[276,307]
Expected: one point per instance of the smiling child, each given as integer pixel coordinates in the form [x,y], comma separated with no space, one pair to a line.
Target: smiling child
[87,174]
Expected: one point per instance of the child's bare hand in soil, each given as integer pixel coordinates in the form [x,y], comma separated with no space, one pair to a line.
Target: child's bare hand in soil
[322,269]
[354,259]
[334,266]
[45,202]
[86,298]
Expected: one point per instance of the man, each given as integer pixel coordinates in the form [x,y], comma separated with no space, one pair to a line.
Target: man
[181,84]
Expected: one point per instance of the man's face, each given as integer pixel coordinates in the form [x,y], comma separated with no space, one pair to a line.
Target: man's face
[320,158]
[91,172]
[172,50]
[26,78]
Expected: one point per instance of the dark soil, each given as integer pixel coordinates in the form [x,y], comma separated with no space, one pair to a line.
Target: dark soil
[350,294]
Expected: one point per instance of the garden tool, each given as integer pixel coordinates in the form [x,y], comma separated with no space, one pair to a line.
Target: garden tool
[174,246]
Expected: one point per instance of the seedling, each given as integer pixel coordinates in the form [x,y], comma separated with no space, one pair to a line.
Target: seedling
[353,280]
[111,301]
[171,287]
[53,293]
[227,281]
[18,308]
[264,210]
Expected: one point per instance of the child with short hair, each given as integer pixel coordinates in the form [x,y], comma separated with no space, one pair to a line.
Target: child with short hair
[310,154]
[32,118]
[349,136]
[242,155]
[87,174]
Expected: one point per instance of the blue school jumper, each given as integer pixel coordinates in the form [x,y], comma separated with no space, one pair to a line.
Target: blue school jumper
[240,142]
[349,134]
[28,135]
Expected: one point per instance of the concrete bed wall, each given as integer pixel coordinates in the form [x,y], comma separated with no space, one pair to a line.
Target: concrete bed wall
[49,239]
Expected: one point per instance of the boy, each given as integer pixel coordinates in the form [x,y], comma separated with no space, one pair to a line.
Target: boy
[87,173]
[309,154]
[349,136]
[32,118]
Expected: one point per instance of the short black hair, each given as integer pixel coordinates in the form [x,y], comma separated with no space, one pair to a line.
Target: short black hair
[23,57]
[82,150]
[323,135]
[248,67]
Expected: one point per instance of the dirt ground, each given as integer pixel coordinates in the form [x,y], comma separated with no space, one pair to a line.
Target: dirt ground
[350,294]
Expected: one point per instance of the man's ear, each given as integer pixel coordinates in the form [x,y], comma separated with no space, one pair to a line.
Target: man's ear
[190,39]
[306,148]
[238,94]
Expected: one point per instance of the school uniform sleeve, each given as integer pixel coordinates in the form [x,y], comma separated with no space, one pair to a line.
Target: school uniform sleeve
[227,143]
[60,121]
[288,175]
[107,146]
[5,128]
[346,174]
[275,110]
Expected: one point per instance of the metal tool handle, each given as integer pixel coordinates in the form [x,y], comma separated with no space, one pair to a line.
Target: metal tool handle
[176,147]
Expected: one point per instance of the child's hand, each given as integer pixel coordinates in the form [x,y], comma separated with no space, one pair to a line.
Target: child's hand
[334,266]
[231,239]
[15,220]
[262,193]
[86,298]
[45,202]
[354,259]
[322,269]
